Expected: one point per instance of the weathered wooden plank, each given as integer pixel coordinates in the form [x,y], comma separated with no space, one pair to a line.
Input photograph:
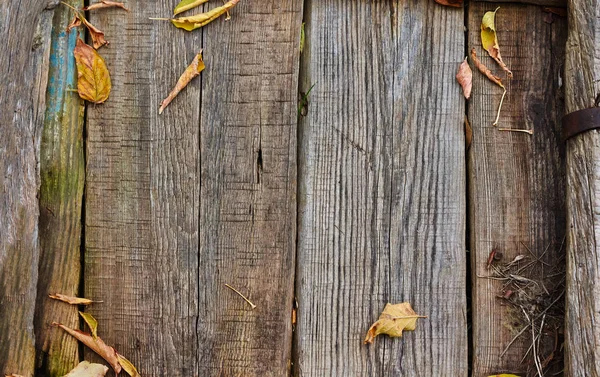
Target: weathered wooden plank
[248,194]
[516,187]
[61,191]
[546,3]
[582,86]
[24,30]
[142,194]
[381,193]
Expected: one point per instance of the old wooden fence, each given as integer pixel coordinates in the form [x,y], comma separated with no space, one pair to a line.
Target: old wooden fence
[370,192]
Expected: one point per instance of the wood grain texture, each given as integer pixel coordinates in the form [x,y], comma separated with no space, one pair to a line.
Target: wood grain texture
[248,195]
[582,87]
[24,55]
[516,180]
[381,188]
[60,203]
[546,3]
[142,194]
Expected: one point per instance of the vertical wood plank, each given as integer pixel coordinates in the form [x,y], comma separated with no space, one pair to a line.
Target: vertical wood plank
[142,194]
[25,28]
[516,184]
[61,190]
[582,73]
[382,181]
[248,193]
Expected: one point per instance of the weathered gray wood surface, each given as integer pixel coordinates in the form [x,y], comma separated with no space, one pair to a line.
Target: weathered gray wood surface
[24,30]
[546,3]
[60,198]
[248,193]
[516,180]
[180,204]
[582,86]
[381,190]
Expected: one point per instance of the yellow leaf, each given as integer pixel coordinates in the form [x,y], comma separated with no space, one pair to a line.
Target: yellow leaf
[190,72]
[187,5]
[91,322]
[489,38]
[394,319]
[87,369]
[93,78]
[197,21]
[128,366]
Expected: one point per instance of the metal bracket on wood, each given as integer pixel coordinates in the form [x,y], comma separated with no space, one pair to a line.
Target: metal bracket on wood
[580,121]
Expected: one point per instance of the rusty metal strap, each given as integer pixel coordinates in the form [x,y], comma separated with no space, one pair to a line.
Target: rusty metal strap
[580,121]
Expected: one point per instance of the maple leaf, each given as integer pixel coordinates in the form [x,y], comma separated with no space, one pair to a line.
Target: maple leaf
[190,72]
[87,369]
[93,78]
[393,320]
[71,299]
[489,39]
[464,76]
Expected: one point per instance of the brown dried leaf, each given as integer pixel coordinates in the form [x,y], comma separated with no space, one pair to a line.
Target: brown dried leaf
[106,4]
[87,369]
[93,78]
[14,375]
[394,319]
[450,3]
[76,22]
[489,39]
[464,76]
[485,70]
[190,72]
[128,366]
[72,299]
[197,21]
[96,34]
[97,345]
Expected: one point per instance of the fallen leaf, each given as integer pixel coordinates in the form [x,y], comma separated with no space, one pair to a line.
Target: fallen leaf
[187,5]
[72,299]
[197,21]
[96,34]
[128,366]
[106,4]
[87,369]
[394,319]
[76,22]
[450,3]
[464,76]
[190,72]
[91,322]
[489,39]
[93,78]
[493,78]
[97,345]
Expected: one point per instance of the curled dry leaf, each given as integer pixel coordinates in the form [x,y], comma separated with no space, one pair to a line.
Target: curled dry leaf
[105,4]
[464,76]
[190,72]
[394,319]
[187,5]
[71,299]
[93,78]
[97,345]
[96,34]
[91,322]
[197,21]
[76,22]
[489,39]
[87,369]
[450,3]
[128,366]
[14,375]
[493,78]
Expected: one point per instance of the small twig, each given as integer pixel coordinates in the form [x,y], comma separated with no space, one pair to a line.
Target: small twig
[530,132]
[499,108]
[159,18]
[241,295]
